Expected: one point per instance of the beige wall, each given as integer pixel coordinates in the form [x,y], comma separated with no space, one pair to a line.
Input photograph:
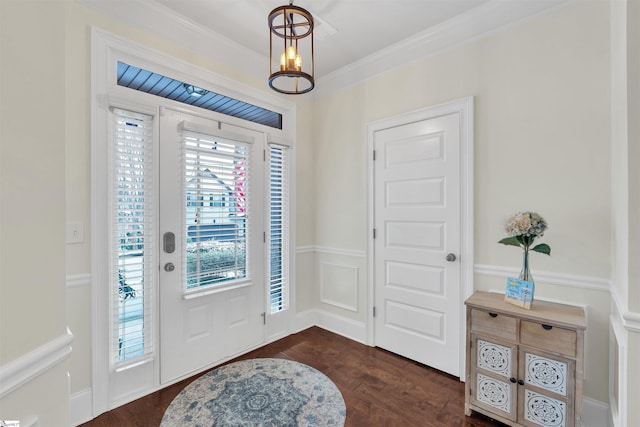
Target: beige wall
[32,220]
[542,126]
[305,207]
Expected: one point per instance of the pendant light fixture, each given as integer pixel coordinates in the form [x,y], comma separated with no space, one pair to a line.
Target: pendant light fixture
[293,27]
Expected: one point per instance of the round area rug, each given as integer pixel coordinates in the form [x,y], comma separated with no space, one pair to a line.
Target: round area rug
[258,392]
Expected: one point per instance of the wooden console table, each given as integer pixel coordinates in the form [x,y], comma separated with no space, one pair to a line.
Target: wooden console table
[524,367]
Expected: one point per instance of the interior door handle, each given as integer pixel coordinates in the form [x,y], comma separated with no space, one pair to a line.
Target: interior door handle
[169,242]
[450,257]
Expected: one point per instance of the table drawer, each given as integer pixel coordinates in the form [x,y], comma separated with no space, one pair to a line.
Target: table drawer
[549,338]
[497,325]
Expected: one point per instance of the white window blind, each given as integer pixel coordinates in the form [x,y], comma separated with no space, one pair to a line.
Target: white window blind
[216,201]
[278,228]
[132,235]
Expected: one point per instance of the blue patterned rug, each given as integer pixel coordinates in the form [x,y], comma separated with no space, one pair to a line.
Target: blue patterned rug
[258,392]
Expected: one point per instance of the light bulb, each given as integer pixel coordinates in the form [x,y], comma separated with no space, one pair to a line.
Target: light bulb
[291,52]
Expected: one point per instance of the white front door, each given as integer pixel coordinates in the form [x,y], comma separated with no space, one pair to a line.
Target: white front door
[417,221]
[211,270]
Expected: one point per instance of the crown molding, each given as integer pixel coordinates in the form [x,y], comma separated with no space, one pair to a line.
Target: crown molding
[159,20]
[490,17]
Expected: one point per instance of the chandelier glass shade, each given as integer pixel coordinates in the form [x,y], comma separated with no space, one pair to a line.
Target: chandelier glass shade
[292,27]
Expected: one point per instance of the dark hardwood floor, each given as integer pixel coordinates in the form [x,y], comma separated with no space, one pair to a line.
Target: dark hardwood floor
[379,388]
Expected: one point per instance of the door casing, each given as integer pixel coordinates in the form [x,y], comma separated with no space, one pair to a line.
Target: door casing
[464,107]
[106,50]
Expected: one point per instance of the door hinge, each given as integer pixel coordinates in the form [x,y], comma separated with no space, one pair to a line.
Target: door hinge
[264,155]
[264,318]
[374,311]
[374,155]
[374,233]
[264,237]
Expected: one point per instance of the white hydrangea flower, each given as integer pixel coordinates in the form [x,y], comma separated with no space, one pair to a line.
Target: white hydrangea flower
[518,225]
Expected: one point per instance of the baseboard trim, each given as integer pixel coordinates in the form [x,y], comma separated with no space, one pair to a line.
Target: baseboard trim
[332,322]
[595,413]
[305,320]
[25,368]
[80,407]
[31,421]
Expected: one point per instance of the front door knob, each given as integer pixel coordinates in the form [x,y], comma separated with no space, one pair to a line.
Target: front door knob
[169,267]
[450,257]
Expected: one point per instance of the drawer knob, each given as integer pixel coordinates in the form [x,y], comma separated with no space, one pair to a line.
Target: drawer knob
[547,327]
[493,314]
[513,380]
[521,382]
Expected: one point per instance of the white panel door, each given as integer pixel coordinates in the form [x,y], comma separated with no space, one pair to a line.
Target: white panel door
[417,222]
[211,281]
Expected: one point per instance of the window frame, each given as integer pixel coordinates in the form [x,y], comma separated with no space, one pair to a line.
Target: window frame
[122,285]
[282,287]
[247,219]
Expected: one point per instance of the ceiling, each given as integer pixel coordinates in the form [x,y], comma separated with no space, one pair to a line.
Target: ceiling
[352,37]
[359,27]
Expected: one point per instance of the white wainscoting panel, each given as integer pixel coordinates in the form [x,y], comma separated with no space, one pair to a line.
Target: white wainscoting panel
[617,371]
[339,285]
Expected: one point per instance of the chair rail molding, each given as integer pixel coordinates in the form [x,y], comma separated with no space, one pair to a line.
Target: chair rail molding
[570,280]
[629,320]
[78,280]
[330,251]
[30,365]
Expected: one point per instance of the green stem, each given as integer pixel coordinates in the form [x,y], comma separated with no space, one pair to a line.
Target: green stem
[525,264]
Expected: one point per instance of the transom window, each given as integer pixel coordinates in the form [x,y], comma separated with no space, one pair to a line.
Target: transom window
[166,87]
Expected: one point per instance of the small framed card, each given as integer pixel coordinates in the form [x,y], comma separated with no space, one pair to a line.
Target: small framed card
[519,292]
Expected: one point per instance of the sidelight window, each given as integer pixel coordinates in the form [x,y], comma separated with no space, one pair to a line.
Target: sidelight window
[278,271]
[132,235]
